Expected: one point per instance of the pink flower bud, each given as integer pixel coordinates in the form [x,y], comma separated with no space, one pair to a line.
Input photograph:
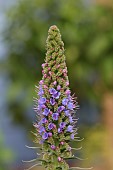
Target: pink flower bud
[43,106]
[64,71]
[67,92]
[54,82]
[45,87]
[58,87]
[62,143]
[58,65]
[41,82]
[50,134]
[49,68]
[50,73]
[65,74]
[43,65]
[53,147]
[59,159]
[51,112]
[67,83]
[45,75]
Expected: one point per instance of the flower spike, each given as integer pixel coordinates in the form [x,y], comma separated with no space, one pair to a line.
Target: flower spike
[55,107]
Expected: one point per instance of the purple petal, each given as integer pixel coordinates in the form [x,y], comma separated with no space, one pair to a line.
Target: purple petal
[60,108]
[56,95]
[42,100]
[52,101]
[41,91]
[45,136]
[59,130]
[65,101]
[70,106]
[52,91]
[67,113]
[41,129]
[50,126]
[70,128]
[55,116]
[70,119]
[46,111]
[72,136]
[44,120]
[62,125]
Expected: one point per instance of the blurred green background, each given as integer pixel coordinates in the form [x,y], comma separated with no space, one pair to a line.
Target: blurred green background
[87,31]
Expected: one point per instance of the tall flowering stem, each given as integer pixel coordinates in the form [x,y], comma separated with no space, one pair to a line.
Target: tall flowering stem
[55,107]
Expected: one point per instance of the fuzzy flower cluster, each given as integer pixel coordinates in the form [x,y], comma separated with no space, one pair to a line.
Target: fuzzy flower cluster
[55,107]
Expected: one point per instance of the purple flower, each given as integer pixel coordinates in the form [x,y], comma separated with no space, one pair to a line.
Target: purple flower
[44,120]
[41,91]
[50,126]
[70,106]
[70,119]
[41,106]
[53,147]
[52,101]
[46,111]
[72,136]
[52,91]
[56,95]
[58,87]
[60,108]
[55,116]
[65,101]
[62,125]
[70,128]
[42,100]
[45,136]
[41,129]
[67,113]
[59,130]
